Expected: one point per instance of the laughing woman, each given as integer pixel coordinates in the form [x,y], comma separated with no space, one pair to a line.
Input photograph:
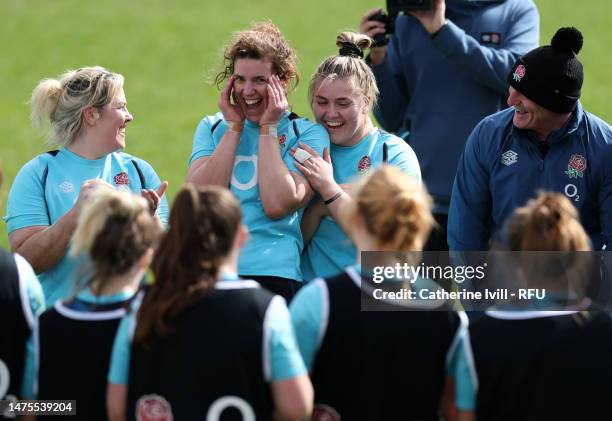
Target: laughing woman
[87,112]
[246,147]
[342,93]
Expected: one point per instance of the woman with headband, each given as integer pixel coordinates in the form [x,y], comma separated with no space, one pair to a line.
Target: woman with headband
[246,147]
[342,93]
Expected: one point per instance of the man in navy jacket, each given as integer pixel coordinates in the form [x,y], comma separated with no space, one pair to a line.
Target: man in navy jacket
[546,141]
[443,70]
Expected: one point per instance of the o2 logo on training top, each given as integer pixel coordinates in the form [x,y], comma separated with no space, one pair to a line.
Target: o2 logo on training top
[576,166]
[153,408]
[216,409]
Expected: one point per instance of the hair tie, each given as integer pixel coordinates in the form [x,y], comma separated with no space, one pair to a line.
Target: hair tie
[350,50]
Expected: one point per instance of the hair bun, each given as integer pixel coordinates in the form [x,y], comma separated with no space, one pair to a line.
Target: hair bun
[567,39]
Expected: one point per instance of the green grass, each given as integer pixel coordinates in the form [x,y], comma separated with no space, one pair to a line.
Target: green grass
[167,50]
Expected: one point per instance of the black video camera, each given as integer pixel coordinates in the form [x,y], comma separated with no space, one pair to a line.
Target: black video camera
[395,7]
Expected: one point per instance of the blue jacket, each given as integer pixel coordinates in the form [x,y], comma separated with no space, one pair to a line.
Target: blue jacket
[502,167]
[440,88]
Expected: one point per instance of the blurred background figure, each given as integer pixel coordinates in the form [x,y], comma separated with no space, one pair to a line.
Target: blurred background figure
[443,70]
[74,339]
[21,301]
[396,362]
[530,358]
[205,341]
[87,113]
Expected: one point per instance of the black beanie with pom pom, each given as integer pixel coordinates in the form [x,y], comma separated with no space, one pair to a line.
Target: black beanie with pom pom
[551,76]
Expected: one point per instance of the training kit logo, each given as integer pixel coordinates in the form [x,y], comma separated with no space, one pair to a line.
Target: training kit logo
[576,166]
[122,179]
[66,187]
[519,73]
[509,157]
[364,165]
[153,408]
[490,38]
[281,140]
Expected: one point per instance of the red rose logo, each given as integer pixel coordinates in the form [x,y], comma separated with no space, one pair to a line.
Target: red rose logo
[576,166]
[122,178]
[153,408]
[578,162]
[281,140]
[364,165]
[519,72]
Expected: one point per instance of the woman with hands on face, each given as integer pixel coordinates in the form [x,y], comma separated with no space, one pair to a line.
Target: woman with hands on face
[246,147]
[342,93]
[87,113]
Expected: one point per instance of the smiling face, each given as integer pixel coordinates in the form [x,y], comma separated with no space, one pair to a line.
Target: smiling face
[251,86]
[112,122]
[341,110]
[530,116]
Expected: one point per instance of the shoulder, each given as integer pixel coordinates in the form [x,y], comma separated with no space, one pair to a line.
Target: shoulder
[599,128]
[492,128]
[128,159]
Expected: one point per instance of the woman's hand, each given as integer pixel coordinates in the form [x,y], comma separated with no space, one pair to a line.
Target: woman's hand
[276,104]
[154,196]
[318,171]
[231,112]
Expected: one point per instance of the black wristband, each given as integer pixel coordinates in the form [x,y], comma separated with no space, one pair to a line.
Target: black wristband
[334,197]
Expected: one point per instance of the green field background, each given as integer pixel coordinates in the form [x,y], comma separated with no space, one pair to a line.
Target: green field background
[168,50]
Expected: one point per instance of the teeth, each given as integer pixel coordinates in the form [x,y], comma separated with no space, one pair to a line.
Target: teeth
[334,123]
[252,101]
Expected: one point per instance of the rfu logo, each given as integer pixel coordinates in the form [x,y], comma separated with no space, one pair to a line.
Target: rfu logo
[509,157]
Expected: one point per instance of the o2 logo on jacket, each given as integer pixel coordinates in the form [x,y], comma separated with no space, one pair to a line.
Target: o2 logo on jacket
[153,408]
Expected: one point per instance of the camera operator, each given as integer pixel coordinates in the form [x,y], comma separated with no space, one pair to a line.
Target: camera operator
[441,72]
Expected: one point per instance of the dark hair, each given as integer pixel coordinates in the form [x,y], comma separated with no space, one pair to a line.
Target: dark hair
[204,223]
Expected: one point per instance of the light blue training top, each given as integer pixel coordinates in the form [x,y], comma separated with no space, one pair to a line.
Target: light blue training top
[274,245]
[330,250]
[282,359]
[48,186]
[310,313]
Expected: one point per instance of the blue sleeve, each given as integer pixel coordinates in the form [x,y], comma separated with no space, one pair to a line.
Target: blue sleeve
[284,358]
[403,157]
[26,205]
[460,367]
[153,181]
[469,215]
[313,135]
[309,319]
[29,370]
[118,371]
[203,142]
[490,66]
[391,80]
[604,197]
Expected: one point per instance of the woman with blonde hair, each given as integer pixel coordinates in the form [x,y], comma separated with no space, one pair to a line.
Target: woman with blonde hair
[246,147]
[531,355]
[87,112]
[396,362]
[203,340]
[342,93]
[116,234]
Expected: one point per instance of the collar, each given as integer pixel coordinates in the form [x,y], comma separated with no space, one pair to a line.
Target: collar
[557,136]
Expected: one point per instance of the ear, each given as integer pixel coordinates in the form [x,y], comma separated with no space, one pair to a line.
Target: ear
[146,259]
[242,236]
[367,104]
[90,115]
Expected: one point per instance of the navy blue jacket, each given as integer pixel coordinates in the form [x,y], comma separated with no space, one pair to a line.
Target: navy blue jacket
[502,167]
[439,88]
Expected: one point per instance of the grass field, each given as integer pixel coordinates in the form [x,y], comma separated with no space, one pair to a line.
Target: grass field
[167,51]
